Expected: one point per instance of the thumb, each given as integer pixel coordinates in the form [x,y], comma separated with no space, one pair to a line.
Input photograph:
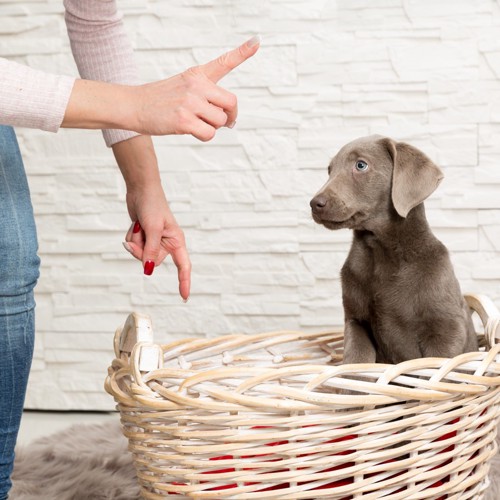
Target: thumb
[151,251]
[220,67]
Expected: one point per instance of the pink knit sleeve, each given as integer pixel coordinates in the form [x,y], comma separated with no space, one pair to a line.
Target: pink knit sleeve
[32,98]
[101,48]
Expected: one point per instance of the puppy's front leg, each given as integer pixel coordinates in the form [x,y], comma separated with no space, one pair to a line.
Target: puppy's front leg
[358,347]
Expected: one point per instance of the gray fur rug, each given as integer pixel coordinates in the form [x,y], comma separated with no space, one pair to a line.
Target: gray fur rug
[84,462]
[91,462]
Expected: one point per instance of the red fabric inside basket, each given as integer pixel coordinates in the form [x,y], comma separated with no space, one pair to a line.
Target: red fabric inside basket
[262,488]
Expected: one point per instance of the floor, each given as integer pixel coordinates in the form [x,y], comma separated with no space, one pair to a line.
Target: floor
[35,424]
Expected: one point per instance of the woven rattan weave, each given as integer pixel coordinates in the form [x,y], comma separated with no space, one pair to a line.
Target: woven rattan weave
[260,416]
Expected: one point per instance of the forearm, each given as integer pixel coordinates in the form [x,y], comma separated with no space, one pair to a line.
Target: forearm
[100,105]
[138,164]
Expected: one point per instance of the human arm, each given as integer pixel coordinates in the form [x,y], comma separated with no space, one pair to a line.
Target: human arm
[159,234]
[110,99]
[108,95]
[37,99]
[188,103]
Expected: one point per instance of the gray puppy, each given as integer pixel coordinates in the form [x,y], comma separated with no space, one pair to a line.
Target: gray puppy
[400,294]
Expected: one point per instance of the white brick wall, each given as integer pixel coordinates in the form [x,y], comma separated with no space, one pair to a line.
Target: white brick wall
[328,71]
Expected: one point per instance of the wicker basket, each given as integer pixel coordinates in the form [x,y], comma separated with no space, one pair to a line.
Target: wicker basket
[259,416]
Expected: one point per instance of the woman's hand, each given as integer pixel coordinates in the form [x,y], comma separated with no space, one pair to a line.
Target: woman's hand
[191,102]
[157,235]
[154,232]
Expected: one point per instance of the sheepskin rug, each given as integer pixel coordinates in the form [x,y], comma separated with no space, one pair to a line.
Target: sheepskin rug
[83,462]
[91,462]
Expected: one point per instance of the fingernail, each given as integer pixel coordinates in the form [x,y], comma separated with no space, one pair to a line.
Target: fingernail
[255,40]
[137,227]
[231,125]
[185,300]
[149,267]
[127,247]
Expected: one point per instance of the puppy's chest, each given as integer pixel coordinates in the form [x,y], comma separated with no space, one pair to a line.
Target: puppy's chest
[376,266]
[383,279]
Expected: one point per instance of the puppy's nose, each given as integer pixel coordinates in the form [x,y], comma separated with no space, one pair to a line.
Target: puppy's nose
[318,203]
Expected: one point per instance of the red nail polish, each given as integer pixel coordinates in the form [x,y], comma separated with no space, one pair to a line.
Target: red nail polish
[137,227]
[149,267]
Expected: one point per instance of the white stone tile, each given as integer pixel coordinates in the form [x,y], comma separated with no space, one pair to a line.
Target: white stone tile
[419,71]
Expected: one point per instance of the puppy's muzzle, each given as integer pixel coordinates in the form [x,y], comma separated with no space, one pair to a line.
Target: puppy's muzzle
[318,204]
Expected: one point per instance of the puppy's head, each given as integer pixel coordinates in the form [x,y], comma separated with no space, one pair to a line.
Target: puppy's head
[372,180]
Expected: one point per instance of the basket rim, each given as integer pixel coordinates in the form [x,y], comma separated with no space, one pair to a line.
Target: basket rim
[220,368]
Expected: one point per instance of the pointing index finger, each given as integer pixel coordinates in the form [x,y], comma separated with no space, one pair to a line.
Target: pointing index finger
[220,67]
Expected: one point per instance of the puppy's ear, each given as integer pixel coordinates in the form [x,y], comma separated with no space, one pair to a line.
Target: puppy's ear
[414,176]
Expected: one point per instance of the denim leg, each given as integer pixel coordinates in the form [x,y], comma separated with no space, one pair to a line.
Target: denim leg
[19,270]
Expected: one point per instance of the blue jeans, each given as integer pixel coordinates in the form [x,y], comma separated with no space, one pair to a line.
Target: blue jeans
[19,269]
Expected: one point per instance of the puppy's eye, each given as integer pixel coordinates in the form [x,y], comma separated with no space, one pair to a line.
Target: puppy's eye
[361,166]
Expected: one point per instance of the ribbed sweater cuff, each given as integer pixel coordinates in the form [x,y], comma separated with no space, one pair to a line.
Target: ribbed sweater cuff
[32,98]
